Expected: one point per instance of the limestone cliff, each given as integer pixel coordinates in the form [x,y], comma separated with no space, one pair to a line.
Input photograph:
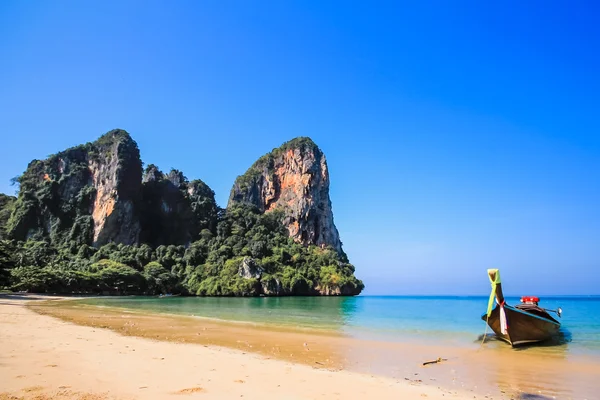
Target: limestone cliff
[158,232]
[116,172]
[294,178]
[95,194]
[85,194]
[174,210]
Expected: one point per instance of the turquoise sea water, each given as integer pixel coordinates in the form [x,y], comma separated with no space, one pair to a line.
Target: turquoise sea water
[439,319]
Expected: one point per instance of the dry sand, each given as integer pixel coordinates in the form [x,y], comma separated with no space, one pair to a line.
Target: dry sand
[46,358]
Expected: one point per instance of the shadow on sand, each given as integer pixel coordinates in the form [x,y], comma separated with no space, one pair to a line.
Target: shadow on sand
[531,396]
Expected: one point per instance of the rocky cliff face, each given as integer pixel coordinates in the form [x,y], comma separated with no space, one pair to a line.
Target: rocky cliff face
[174,210]
[295,179]
[116,173]
[85,194]
[95,194]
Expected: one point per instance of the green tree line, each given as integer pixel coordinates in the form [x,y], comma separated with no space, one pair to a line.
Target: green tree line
[246,254]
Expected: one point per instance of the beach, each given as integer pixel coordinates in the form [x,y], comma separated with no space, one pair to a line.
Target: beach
[63,349]
[46,358]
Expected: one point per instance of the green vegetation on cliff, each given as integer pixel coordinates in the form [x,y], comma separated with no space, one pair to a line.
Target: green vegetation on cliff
[248,254]
[160,233]
[6,208]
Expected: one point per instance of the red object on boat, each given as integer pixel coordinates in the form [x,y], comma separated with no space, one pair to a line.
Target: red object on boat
[530,299]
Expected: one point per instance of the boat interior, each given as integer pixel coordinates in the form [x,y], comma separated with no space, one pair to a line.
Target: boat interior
[536,310]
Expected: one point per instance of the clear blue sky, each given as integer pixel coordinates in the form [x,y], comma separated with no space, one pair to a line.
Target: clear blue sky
[460,136]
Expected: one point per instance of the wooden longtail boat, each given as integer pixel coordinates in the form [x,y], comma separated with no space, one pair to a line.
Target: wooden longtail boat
[521,324]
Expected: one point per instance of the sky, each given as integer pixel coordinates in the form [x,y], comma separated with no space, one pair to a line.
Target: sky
[460,136]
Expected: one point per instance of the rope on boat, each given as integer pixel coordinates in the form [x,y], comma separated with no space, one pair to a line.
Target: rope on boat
[485,331]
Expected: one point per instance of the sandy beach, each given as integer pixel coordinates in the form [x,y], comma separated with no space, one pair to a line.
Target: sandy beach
[55,349]
[45,358]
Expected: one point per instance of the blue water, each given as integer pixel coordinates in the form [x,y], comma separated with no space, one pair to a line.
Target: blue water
[446,319]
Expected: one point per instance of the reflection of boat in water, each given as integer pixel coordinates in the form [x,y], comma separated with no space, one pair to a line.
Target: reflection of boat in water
[524,323]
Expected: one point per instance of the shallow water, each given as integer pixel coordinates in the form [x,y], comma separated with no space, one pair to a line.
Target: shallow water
[434,319]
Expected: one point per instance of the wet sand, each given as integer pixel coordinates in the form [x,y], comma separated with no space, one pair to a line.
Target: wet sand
[492,370]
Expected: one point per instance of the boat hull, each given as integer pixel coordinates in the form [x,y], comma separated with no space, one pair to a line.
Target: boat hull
[523,327]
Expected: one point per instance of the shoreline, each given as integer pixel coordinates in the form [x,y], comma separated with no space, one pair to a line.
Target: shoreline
[42,357]
[286,343]
[467,373]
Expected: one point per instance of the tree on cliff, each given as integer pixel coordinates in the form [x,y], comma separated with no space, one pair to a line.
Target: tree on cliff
[7,262]
[6,208]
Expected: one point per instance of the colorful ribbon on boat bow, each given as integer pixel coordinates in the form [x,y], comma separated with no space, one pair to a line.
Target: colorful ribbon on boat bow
[494,282]
[503,324]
